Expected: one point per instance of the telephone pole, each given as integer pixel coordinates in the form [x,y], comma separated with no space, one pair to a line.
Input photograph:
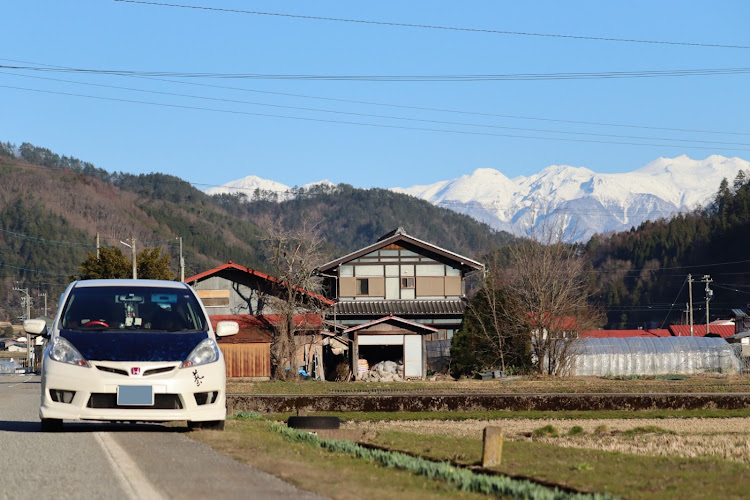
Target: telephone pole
[44,294]
[27,300]
[182,262]
[690,288]
[131,245]
[709,294]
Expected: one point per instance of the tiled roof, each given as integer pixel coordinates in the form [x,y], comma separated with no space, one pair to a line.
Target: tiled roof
[393,319]
[399,307]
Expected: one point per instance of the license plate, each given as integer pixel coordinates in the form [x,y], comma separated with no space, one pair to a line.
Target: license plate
[135,395]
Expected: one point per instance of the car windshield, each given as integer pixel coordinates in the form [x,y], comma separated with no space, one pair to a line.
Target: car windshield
[133,308]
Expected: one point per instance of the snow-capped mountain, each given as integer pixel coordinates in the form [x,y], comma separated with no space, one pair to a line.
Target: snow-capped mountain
[584,201]
[254,187]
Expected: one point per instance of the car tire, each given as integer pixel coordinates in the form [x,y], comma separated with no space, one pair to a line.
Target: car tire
[313,422]
[52,425]
[213,425]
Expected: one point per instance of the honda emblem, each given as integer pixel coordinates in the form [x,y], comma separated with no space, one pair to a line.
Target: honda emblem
[135,370]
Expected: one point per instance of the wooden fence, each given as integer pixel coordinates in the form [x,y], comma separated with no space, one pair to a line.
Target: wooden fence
[247,360]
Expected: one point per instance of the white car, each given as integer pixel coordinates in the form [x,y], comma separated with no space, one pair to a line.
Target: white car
[132,351]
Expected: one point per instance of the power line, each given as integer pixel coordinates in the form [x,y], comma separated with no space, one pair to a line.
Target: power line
[592,75]
[420,108]
[343,122]
[369,115]
[437,27]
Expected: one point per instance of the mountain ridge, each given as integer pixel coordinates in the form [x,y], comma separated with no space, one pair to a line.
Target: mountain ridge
[584,201]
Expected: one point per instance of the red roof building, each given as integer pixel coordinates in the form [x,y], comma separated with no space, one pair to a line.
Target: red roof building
[601,334]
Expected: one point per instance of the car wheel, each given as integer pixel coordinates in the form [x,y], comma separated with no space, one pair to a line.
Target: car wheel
[313,422]
[213,425]
[52,425]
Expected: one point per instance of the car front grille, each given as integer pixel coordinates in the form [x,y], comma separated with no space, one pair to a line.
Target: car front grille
[112,370]
[155,371]
[161,402]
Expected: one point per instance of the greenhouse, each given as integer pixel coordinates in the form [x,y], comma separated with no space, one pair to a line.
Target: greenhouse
[7,367]
[654,356]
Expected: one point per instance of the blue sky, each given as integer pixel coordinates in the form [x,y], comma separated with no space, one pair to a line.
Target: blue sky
[362,144]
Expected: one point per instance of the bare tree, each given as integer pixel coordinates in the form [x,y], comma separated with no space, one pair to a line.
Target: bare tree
[294,254]
[500,340]
[548,279]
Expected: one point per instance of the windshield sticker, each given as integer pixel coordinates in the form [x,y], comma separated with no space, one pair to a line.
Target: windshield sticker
[164,298]
[198,378]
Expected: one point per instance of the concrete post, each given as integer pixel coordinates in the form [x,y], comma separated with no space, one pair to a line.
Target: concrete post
[492,447]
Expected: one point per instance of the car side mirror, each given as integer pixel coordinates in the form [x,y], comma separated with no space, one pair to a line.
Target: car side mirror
[36,327]
[227,328]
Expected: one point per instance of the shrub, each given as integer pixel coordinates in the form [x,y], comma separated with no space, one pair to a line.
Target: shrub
[546,431]
[648,429]
[575,430]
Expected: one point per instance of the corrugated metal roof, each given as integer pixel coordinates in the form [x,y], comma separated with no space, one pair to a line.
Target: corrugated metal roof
[700,330]
[400,307]
[656,332]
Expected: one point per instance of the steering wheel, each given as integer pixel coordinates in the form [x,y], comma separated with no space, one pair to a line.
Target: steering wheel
[96,323]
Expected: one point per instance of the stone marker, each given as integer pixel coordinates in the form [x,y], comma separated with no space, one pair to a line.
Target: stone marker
[492,449]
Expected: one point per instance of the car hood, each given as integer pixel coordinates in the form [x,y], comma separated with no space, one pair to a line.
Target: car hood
[131,346]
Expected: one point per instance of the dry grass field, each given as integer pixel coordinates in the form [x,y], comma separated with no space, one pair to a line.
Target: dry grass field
[573,385]
[724,438]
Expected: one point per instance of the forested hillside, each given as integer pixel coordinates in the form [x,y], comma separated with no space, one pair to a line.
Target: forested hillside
[350,218]
[51,208]
[642,274]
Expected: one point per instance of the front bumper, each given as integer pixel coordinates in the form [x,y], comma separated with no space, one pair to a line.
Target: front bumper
[96,387]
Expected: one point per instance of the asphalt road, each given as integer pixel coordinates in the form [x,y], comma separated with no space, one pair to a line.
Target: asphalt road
[113,461]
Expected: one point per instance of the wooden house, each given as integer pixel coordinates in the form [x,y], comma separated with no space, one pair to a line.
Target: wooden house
[238,293]
[406,280]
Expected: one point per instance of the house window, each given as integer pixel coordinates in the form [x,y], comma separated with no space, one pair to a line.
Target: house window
[363,286]
[214,298]
[407,282]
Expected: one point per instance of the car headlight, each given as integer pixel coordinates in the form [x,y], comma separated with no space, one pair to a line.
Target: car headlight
[64,352]
[205,352]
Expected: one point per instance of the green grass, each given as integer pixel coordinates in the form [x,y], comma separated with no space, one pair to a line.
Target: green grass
[546,431]
[502,414]
[647,429]
[626,384]
[575,430]
[332,474]
[620,474]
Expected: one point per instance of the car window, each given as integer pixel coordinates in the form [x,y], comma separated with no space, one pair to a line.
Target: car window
[132,308]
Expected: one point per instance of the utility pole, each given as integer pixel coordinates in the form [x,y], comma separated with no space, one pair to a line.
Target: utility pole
[131,245]
[97,245]
[27,300]
[690,288]
[709,294]
[182,262]
[44,294]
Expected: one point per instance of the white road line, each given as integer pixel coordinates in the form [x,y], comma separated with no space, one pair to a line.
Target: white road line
[134,483]
[19,383]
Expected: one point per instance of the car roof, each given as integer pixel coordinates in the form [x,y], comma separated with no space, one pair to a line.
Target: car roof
[130,283]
